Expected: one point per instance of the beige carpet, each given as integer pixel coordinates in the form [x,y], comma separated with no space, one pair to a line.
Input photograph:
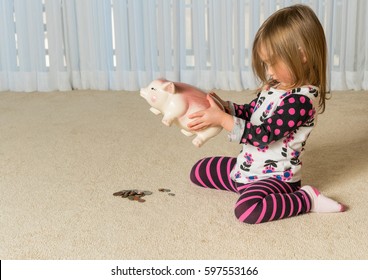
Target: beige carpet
[62,155]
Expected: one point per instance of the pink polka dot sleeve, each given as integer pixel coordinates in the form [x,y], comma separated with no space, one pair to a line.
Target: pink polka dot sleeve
[294,111]
[243,111]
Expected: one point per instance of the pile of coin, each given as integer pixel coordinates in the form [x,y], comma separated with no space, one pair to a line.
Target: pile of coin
[137,195]
[134,195]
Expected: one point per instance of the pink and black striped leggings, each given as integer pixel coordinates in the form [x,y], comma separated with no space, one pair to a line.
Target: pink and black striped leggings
[261,201]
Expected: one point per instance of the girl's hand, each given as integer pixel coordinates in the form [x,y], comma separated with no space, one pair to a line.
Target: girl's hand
[212,116]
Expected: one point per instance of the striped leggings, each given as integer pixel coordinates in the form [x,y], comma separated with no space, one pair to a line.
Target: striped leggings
[261,201]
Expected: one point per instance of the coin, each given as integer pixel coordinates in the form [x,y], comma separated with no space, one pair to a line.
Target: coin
[118,193]
[125,194]
[141,200]
[171,194]
[147,192]
[164,190]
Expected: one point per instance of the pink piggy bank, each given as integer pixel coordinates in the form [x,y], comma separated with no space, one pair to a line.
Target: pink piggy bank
[176,101]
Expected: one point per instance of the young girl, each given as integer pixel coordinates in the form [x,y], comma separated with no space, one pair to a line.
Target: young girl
[289,58]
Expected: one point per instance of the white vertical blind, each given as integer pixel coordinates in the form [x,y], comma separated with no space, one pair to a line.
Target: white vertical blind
[50,45]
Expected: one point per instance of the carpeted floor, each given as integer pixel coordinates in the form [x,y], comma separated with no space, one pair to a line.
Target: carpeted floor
[63,155]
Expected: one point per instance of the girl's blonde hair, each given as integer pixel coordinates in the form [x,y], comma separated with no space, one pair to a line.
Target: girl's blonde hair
[294,35]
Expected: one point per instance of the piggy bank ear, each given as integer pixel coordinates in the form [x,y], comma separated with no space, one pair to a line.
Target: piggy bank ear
[169,87]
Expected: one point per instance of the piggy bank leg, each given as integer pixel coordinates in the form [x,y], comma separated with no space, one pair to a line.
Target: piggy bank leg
[155,111]
[167,121]
[203,136]
[198,141]
[186,133]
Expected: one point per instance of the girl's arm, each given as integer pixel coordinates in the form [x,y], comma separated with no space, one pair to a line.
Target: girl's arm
[294,111]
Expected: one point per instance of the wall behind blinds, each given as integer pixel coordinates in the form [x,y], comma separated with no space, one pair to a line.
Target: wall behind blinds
[50,45]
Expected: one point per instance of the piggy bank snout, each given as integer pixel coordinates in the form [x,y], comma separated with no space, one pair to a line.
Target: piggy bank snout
[149,95]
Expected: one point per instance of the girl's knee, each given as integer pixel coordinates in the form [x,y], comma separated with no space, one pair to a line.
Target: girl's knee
[193,177]
[246,214]
[244,221]
[194,173]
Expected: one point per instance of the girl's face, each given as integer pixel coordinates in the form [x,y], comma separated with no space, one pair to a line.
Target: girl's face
[277,70]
